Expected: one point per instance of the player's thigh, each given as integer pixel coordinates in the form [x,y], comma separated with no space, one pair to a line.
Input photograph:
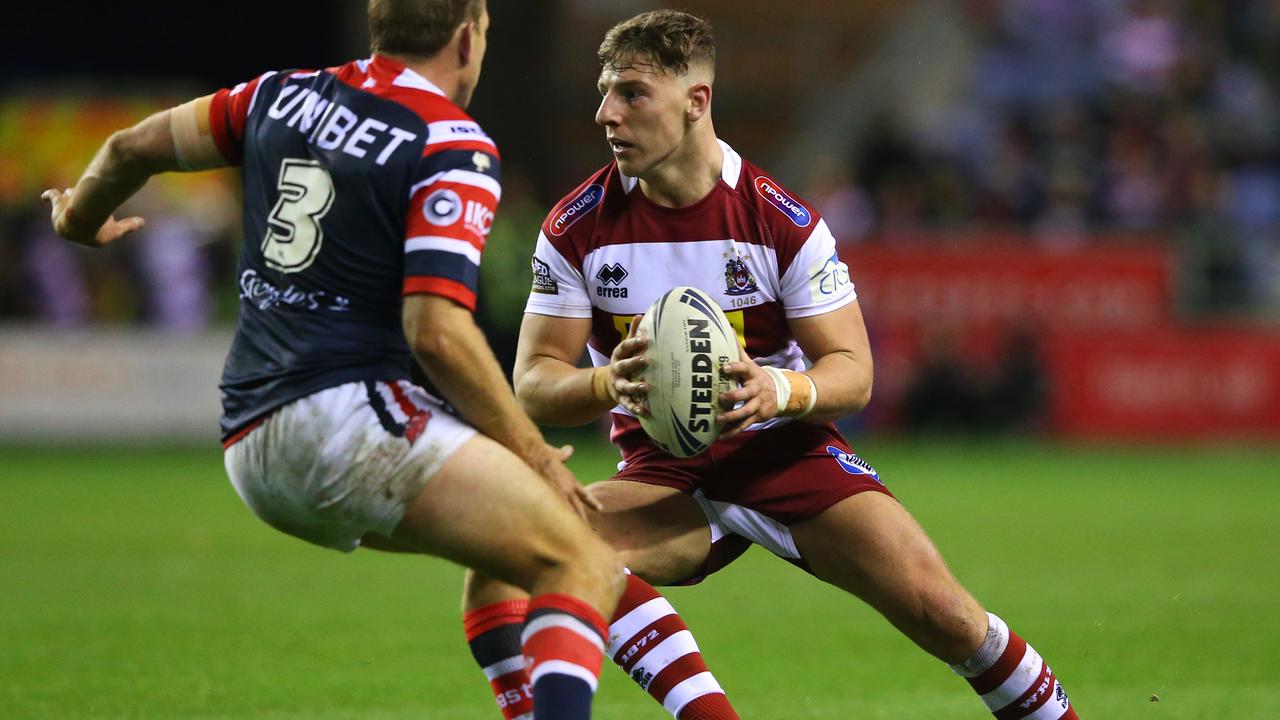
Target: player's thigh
[869,545]
[659,532]
[488,510]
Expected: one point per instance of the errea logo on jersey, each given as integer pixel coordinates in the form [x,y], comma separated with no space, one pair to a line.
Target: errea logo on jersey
[779,199]
[570,212]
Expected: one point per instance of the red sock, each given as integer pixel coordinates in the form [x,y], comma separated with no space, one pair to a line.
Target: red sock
[493,632]
[652,645]
[1013,680]
[563,642]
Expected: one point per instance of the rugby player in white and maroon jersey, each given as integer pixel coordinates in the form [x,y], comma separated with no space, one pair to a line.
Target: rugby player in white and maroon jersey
[368,193]
[679,207]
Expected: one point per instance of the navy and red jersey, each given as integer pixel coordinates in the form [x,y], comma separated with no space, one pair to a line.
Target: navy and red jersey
[362,183]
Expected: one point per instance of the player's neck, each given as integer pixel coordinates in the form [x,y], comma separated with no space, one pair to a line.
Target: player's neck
[689,174]
[439,71]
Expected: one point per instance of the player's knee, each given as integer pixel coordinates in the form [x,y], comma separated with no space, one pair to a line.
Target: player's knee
[597,566]
[952,624]
[603,566]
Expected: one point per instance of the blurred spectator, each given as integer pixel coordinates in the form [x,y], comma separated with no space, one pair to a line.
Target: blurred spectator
[944,395]
[952,392]
[844,205]
[52,285]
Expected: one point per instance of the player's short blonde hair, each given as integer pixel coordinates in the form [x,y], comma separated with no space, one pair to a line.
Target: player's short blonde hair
[418,28]
[669,40]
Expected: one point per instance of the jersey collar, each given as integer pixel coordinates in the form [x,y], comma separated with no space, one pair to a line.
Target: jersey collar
[730,169]
[383,69]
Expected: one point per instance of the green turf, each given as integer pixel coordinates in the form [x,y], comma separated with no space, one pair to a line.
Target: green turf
[135,585]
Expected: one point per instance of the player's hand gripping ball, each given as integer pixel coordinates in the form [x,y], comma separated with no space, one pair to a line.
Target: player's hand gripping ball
[689,340]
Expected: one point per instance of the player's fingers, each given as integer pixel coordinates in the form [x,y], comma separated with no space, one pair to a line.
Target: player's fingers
[738,370]
[116,229]
[741,425]
[565,452]
[635,405]
[51,196]
[634,330]
[733,397]
[732,417]
[588,499]
[632,390]
[742,393]
[631,347]
[630,367]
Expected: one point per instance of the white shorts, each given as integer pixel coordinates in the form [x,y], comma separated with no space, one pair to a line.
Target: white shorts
[345,461]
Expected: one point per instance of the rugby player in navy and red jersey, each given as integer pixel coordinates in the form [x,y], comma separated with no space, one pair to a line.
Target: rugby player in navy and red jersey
[368,195]
[678,207]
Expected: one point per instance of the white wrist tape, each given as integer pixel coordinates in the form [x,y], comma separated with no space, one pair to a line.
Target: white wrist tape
[781,386]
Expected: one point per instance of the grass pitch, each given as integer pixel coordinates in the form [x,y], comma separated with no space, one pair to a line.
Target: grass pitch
[133,584]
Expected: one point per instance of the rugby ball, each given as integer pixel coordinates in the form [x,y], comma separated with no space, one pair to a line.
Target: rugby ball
[689,339]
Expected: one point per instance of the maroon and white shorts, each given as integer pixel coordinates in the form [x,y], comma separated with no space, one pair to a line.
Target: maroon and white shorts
[757,484]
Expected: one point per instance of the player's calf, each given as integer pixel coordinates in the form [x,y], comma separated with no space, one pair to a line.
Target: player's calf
[651,643]
[493,633]
[648,640]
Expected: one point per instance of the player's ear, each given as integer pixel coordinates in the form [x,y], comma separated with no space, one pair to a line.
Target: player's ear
[699,101]
[466,46]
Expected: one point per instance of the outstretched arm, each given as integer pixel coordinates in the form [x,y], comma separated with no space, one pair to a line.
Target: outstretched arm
[175,139]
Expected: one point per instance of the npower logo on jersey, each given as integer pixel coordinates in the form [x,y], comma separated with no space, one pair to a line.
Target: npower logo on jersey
[572,211]
[779,199]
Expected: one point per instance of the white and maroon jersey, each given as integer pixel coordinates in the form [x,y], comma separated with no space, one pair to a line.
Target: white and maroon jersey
[606,252]
[362,183]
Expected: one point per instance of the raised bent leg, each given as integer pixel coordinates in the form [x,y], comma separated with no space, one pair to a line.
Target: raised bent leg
[870,546]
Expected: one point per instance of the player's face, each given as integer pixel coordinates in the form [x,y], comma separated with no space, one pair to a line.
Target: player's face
[643,114]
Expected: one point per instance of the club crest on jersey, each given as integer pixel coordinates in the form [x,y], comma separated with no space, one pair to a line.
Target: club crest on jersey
[570,212]
[853,464]
[738,279]
[784,202]
[443,207]
[542,280]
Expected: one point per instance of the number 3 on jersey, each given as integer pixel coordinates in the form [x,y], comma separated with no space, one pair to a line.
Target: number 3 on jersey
[294,234]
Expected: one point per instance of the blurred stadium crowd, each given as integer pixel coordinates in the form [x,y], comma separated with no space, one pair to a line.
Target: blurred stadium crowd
[1096,118]
[1081,122]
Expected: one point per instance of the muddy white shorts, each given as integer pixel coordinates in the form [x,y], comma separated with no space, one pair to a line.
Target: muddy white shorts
[345,461]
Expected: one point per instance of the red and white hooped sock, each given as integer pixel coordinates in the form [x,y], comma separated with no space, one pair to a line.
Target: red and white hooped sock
[563,644]
[493,632]
[650,642]
[1013,680]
